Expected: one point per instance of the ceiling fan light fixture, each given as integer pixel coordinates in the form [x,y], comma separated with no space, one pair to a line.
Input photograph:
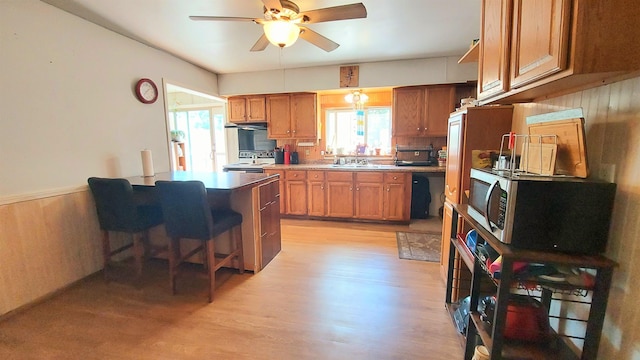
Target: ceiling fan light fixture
[281,33]
[357,97]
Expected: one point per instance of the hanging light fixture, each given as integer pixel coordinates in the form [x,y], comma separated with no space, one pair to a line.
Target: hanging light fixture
[357,98]
[281,33]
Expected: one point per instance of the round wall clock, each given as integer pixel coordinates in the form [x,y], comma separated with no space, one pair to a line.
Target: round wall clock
[146,91]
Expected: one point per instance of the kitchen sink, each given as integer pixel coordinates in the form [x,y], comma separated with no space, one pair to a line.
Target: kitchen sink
[356,166]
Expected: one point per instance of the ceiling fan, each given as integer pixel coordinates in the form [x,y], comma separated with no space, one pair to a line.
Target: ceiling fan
[283,23]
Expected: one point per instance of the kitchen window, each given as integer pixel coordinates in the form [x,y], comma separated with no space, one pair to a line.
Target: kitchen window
[365,132]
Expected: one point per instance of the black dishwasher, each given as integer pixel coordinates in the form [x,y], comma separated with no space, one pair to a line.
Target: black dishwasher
[420,197]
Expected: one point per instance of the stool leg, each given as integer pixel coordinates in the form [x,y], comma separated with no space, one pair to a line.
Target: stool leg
[106,254]
[174,246]
[211,258]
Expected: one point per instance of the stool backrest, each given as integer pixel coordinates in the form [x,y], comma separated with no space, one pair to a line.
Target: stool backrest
[114,203]
[185,208]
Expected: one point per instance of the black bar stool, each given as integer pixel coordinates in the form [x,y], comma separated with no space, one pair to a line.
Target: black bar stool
[187,215]
[118,211]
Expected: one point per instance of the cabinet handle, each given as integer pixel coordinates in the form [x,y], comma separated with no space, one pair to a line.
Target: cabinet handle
[395,178]
[418,129]
[288,131]
[351,188]
[388,189]
[322,187]
[295,175]
[294,131]
[315,176]
[357,189]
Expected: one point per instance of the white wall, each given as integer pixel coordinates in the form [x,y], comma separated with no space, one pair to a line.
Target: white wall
[67,104]
[443,70]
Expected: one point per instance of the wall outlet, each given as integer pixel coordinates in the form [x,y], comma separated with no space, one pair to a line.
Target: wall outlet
[607,172]
[306,151]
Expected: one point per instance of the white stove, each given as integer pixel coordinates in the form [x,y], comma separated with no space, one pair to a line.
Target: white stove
[251,162]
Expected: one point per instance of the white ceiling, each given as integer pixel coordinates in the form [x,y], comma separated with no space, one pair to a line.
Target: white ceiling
[393,30]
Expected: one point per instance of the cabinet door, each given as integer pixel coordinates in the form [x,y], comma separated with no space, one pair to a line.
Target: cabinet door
[256,108]
[439,102]
[369,195]
[407,111]
[397,196]
[340,194]
[303,116]
[447,220]
[454,158]
[296,197]
[540,39]
[237,109]
[279,116]
[316,193]
[493,65]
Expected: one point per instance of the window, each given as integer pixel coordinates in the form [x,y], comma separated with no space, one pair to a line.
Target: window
[366,131]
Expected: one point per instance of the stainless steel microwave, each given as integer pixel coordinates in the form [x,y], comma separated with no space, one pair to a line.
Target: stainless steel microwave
[541,212]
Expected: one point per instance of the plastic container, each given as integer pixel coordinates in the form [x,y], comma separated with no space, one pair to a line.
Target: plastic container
[480,353]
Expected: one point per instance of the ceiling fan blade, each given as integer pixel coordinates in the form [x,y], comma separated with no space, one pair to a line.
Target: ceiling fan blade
[344,12]
[224,18]
[318,40]
[261,44]
[272,4]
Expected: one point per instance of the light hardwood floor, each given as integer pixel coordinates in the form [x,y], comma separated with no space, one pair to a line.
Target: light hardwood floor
[336,291]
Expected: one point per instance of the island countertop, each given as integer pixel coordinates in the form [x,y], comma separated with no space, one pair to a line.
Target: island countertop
[351,167]
[212,180]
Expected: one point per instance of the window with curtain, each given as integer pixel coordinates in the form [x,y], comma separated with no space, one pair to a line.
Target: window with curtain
[366,131]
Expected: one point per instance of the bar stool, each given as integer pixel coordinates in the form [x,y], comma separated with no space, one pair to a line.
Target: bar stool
[187,215]
[119,211]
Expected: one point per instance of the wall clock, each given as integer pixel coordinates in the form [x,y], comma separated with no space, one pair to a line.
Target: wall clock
[349,76]
[146,91]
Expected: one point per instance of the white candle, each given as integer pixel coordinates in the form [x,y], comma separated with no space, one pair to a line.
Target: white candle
[147,163]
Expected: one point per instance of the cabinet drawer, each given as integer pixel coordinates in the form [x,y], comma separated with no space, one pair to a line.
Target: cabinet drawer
[395,178]
[295,175]
[315,175]
[339,176]
[369,177]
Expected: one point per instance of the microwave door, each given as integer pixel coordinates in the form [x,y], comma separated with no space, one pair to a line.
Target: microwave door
[488,202]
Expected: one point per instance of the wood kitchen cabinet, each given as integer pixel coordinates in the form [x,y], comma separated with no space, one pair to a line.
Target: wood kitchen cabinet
[540,48]
[292,116]
[397,196]
[282,189]
[495,35]
[243,109]
[369,195]
[474,128]
[296,192]
[317,197]
[269,225]
[422,110]
[340,203]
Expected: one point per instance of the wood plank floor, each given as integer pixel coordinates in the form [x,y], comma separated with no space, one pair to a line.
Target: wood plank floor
[336,291]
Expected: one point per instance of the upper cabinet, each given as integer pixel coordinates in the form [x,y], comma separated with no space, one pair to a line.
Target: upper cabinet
[243,109]
[530,49]
[422,110]
[292,116]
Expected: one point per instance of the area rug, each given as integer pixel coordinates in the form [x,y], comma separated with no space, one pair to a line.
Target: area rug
[419,246]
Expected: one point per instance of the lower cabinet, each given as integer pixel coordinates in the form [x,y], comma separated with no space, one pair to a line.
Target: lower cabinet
[296,185]
[316,193]
[339,194]
[369,195]
[397,196]
[269,226]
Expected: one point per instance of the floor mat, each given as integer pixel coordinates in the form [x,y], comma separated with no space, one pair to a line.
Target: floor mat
[419,246]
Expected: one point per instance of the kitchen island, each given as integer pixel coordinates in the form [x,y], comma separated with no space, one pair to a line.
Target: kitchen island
[247,194]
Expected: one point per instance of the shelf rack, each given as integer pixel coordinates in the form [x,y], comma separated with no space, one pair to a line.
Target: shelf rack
[559,346]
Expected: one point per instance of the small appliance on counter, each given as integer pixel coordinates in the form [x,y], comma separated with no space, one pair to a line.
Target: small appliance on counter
[415,156]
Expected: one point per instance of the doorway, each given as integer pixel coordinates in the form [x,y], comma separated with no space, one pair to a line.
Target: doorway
[196,124]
